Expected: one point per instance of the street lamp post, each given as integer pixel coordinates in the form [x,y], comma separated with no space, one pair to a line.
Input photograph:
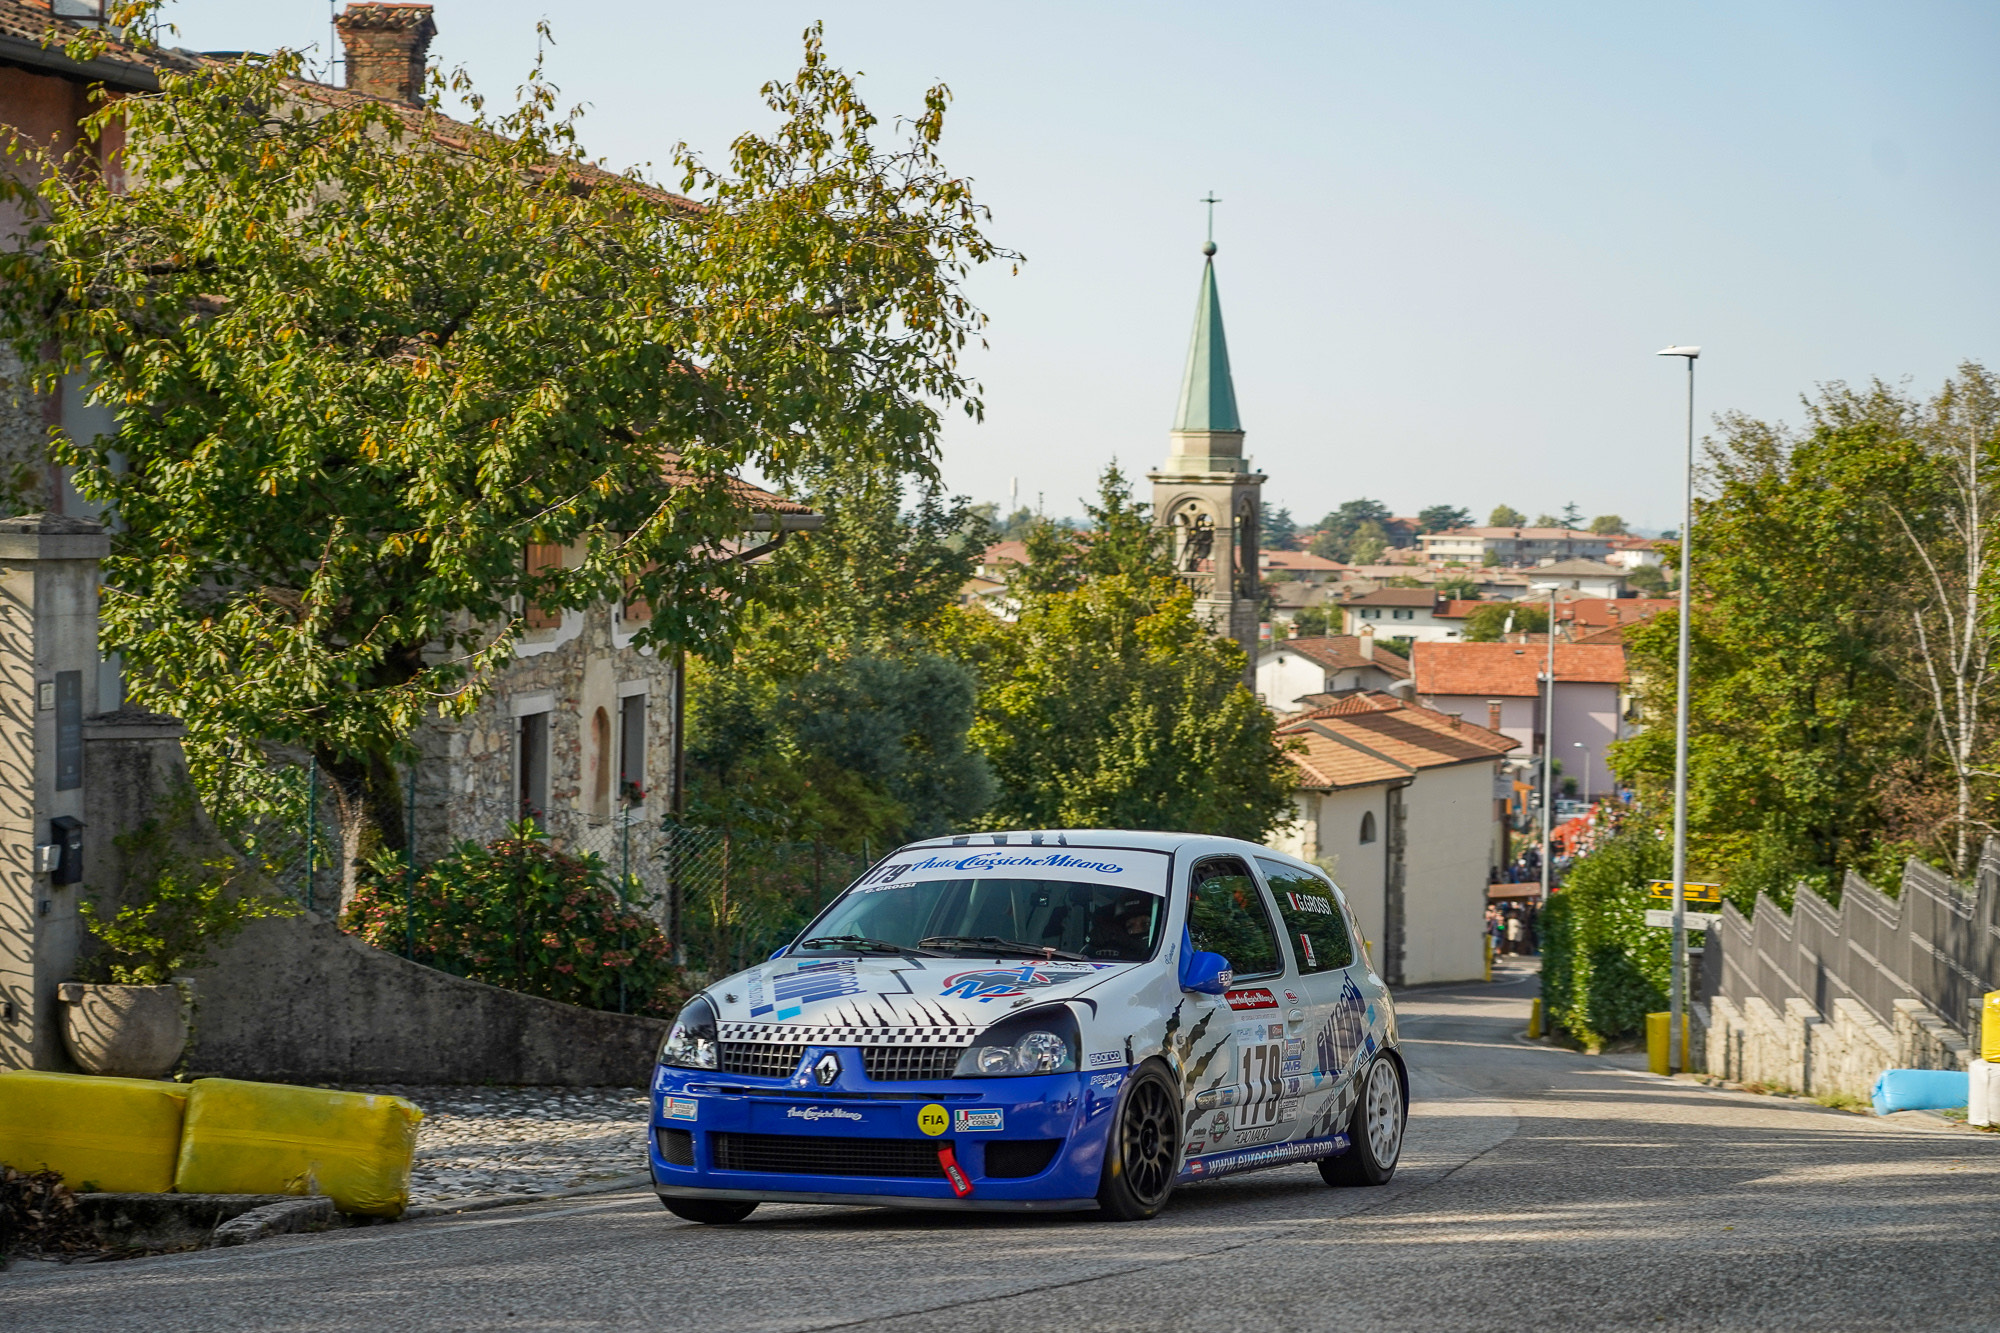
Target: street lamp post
[1677,984]
[1548,740]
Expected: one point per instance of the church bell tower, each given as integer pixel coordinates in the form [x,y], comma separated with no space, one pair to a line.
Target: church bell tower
[1205,496]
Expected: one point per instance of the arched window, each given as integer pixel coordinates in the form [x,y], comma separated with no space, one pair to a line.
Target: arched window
[1368,826]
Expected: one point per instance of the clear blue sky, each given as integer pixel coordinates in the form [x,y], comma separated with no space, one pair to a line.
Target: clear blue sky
[1452,234]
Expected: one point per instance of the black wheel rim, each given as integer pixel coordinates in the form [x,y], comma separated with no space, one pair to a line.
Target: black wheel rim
[1146,1141]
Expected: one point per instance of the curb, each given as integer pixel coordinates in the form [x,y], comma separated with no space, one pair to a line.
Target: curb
[275,1219]
[479,1203]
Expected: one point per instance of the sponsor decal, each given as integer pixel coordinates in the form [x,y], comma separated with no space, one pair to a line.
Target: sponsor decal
[812,983]
[1261,1134]
[1288,1109]
[1255,998]
[1292,996]
[1276,1154]
[1002,983]
[1107,1080]
[1105,1059]
[678,1108]
[1295,1056]
[755,982]
[933,1120]
[1309,902]
[960,1184]
[1139,869]
[821,1113]
[1306,943]
[1219,1127]
[965,1121]
[1275,1031]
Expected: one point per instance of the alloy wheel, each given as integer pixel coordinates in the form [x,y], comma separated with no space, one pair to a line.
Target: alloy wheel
[1147,1140]
[1384,1114]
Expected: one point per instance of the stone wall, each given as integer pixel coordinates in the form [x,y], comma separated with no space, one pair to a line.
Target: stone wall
[1822,998]
[295,1000]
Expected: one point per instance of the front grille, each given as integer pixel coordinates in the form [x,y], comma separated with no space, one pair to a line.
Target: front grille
[761,1059]
[1010,1159]
[676,1146]
[895,1064]
[801,1154]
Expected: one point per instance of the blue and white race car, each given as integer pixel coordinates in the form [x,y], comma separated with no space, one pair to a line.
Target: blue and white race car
[1058,1020]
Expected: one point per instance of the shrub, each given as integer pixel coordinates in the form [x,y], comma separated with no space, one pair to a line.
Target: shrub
[521,915]
[188,910]
[1603,968]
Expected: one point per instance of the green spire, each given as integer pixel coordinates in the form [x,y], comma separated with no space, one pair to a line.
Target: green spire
[1208,394]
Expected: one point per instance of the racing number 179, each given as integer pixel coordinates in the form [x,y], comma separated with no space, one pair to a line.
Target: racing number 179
[1258,1084]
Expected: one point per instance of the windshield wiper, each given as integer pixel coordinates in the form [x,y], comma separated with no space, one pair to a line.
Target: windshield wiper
[858,944]
[994,944]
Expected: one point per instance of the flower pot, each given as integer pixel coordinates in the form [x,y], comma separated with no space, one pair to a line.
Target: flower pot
[125,1031]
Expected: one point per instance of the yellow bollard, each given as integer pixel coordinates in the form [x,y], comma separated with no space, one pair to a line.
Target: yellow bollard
[1989,1028]
[1657,1028]
[1489,957]
[1535,1017]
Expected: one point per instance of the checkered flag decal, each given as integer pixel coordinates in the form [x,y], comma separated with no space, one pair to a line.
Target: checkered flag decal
[807,1034]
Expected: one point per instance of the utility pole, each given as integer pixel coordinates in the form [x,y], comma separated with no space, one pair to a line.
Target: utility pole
[1549,747]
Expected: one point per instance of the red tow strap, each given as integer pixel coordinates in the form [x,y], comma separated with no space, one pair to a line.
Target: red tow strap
[954,1172]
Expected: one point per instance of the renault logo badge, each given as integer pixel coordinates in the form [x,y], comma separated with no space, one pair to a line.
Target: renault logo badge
[826,1069]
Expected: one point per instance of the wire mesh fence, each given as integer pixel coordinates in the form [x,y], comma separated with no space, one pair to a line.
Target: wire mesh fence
[725,897]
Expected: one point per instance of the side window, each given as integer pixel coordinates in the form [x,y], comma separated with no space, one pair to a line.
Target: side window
[1313,919]
[1226,915]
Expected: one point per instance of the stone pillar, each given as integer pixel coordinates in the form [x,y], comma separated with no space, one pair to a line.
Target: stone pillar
[48,686]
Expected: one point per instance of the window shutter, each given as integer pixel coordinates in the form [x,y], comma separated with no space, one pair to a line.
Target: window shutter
[542,556]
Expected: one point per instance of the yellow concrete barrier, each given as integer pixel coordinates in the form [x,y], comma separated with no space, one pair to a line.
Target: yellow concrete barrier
[1535,1017]
[1489,958]
[269,1138]
[1657,1028]
[1989,1027]
[116,1134]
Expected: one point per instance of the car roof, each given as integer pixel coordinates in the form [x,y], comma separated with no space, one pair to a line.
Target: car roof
[1134,839]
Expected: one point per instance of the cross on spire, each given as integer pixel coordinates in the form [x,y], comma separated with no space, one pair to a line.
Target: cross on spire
[1211,201]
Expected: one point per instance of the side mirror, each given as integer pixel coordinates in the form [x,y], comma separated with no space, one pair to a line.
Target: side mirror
[780,953]
[1208,973]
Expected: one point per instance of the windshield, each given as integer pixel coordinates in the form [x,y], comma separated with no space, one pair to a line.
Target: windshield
[1018,917]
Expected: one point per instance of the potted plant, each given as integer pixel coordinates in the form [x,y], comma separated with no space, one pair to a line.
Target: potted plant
[127,1015]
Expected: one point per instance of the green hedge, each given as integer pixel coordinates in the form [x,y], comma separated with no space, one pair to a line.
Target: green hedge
[1603,968]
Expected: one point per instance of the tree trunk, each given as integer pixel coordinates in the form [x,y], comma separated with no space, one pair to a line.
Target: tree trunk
[368,800]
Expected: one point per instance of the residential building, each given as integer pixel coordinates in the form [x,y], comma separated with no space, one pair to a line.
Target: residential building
[1514,546]
[1501,683]
[1204,495]
[1402,804]
[1582,617]
[1293,674]
[1405,613]
[1629,553]
[1302,567]
[1589,578]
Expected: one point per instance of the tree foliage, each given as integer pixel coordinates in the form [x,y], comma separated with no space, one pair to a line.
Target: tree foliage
[1357,523]
[1111,706]
[1276,529]
[1491,623]
[1506,516]
[361,356]
[1608,525]
[1443,518]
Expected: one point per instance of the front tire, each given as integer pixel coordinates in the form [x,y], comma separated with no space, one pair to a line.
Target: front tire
[1144,1150]
[1375,1129]
[715,1212]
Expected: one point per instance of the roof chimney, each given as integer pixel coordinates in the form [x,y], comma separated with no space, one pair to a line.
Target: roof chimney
[1364,642]
[1493,715]
[386,45]
[1456,718]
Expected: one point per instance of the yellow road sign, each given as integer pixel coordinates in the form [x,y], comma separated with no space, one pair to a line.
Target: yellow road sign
[1697,895]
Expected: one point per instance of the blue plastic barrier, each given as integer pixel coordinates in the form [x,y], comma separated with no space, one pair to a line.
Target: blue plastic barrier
[1921,1090]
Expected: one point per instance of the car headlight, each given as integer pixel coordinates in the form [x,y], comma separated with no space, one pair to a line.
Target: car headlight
[691,1043]
[1039,1041]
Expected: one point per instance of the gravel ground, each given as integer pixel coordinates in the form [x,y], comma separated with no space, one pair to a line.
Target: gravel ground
[475,1142]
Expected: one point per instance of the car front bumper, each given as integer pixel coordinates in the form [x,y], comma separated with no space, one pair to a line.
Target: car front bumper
[724,1136]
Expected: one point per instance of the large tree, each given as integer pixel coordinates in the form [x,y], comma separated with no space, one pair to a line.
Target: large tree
[1443,518]
[362,355]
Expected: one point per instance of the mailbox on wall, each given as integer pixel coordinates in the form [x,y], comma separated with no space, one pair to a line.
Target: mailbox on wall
[66,833]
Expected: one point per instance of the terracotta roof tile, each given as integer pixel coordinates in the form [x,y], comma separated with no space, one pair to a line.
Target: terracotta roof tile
[1339,652]
[1507,669]
[1372,738]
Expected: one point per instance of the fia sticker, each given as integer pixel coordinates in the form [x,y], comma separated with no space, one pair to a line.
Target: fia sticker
[678,1108]
[967,1122]
[933,1120]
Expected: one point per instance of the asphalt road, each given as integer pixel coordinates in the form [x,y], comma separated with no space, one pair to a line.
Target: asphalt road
[1539,1190]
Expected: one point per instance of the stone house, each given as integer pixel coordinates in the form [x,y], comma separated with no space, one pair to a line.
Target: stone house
[1296,674]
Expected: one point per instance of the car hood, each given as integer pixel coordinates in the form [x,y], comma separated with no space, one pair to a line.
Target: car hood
[890,993]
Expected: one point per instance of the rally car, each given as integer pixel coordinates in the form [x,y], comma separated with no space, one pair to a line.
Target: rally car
[1019,1021]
